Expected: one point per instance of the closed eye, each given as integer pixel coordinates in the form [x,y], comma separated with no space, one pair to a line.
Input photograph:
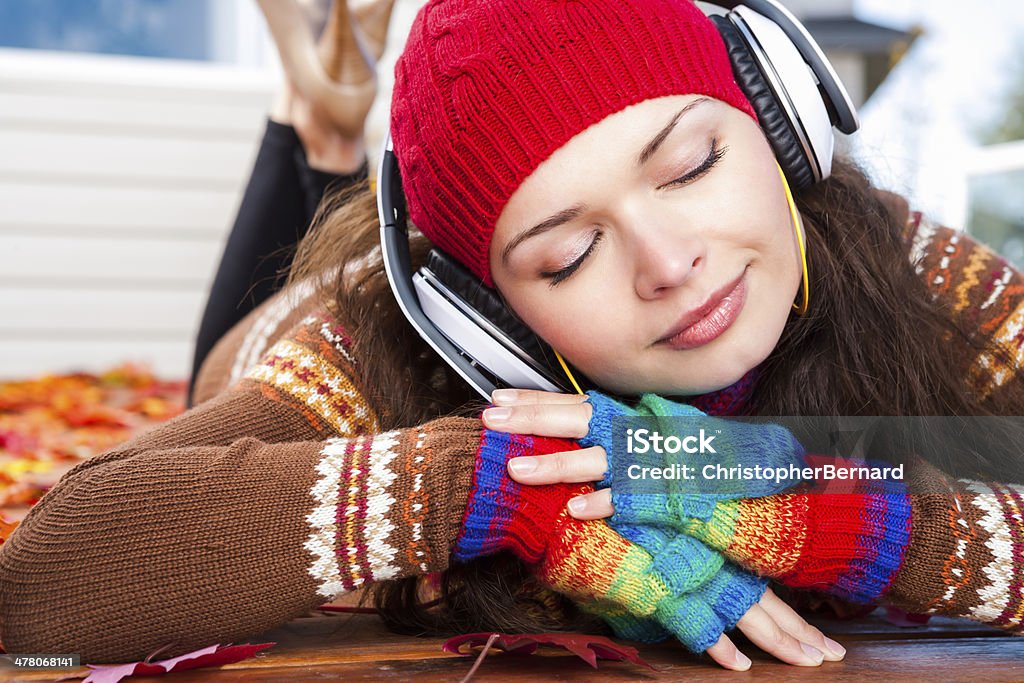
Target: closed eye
[714,156]
[560,275]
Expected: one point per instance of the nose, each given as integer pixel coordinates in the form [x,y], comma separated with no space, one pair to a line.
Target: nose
[665,259]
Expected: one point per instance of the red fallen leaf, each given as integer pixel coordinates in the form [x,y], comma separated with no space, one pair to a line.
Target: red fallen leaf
[586,647]
[213,655]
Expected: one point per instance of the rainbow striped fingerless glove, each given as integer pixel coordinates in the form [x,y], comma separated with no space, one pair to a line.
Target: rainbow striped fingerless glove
[683,586]
[711,594]
[847,544]
[672,502]
[505,515]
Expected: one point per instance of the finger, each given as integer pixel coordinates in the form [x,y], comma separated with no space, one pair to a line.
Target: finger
[728,655]
[567,467]
[795,625]
[762,630]
[596,505]
[510,397]
[567,421]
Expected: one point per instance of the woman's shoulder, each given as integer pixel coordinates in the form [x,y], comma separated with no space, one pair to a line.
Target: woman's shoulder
[288,314]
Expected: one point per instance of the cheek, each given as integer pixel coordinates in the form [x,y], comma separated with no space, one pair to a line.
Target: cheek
[573,327]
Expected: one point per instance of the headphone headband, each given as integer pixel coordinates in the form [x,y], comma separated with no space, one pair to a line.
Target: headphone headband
[841,109]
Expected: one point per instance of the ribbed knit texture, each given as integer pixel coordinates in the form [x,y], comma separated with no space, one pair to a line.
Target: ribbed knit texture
[677,582]
[504,515]
[199,530]
[847,544]
[486,90]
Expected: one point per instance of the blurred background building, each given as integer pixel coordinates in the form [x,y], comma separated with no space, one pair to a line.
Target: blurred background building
[127,128]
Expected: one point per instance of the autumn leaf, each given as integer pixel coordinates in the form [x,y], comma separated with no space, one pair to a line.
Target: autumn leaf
[52,422]
[586,647]
[213,655]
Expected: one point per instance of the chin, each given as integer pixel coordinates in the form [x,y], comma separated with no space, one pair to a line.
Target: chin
[722,373]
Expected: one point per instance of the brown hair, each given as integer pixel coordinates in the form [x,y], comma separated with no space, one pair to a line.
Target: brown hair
[863,287]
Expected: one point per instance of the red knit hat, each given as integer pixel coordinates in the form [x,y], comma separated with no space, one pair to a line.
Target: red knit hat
[486,90]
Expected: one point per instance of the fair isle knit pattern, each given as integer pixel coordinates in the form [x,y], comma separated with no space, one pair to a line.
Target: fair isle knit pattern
[314,369]
[267,323]
[978,285]
[976,553]
[351,548]
[1002,601]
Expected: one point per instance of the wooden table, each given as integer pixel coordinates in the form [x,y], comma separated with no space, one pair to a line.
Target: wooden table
[332,646]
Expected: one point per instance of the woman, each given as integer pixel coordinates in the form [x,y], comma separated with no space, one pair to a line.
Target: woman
[305,479]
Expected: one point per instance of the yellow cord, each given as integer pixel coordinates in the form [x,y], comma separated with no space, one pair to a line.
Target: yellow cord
[802,309]
[567,372]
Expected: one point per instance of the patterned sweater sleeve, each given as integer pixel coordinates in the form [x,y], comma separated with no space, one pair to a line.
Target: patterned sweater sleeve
[965,555]
[243,513]
[932,544]
[981,288]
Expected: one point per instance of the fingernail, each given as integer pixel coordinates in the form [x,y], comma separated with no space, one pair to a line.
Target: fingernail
[812,652]
[520,466]
[742,660]
[578,505]
[504,395]
[835,647]
[498,414]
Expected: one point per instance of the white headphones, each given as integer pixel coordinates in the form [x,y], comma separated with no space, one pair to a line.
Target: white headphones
[798,99]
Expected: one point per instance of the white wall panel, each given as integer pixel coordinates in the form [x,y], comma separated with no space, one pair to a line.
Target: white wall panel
[119,178]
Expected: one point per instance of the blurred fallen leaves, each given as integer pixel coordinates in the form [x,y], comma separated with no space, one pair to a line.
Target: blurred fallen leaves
[50,423]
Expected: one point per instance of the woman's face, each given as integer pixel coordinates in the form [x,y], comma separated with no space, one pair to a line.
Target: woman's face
[636,228]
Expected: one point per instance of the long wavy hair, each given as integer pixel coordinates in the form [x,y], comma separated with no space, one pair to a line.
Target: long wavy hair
[873,342]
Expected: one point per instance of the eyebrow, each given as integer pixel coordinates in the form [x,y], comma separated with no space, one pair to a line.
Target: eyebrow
[649,150]
[573,212]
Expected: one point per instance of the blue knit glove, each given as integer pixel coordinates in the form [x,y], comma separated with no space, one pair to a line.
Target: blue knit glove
[672,503]
[711,593]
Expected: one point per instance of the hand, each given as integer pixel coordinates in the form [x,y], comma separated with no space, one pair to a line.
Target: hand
[565,416]
[770,623]
[694,599]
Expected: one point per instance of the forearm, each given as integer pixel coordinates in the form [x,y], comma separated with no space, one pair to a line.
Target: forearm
[204,544]
[940,546]
[966,554]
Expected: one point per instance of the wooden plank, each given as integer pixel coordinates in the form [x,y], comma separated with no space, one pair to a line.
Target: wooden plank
[128,113]
[41,311]
[155,211]
[358,647]
[85,156]
[81,262]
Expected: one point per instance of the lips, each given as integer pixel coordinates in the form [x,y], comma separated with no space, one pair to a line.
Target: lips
[704,323]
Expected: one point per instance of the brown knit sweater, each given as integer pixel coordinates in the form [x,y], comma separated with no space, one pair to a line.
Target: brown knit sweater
[278,492]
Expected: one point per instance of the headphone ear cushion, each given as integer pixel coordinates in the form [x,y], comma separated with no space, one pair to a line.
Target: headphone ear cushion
[772,117]
[488,303]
